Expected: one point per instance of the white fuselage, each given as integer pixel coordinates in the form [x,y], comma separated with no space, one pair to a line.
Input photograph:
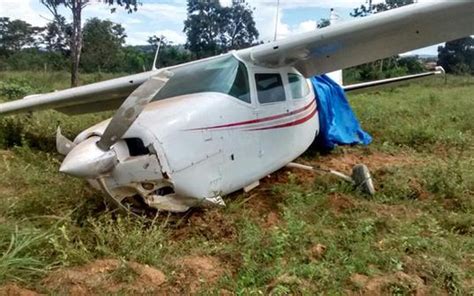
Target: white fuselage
[206,145]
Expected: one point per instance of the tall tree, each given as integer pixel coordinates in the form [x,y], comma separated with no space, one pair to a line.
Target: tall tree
[239,28]
[102,49]
[457,56]
[76,7]
[16,34]
[212,29]
[202,27]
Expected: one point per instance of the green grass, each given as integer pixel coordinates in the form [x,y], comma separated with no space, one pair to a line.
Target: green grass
[420,221]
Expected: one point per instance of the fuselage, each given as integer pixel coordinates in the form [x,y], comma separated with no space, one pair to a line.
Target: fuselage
[196,146]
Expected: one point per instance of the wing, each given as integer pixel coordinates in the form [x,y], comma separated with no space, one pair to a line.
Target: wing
[364,86]
[101,96]
[366,39]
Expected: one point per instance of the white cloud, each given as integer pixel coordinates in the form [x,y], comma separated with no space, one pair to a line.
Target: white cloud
[23,10]
[140,38]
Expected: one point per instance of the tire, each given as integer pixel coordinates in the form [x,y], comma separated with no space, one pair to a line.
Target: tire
[363,179]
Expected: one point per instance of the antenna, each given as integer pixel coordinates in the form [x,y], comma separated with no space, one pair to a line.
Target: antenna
[276,21]
[156,53]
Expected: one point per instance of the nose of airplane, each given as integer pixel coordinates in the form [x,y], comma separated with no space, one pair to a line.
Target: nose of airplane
[87,160]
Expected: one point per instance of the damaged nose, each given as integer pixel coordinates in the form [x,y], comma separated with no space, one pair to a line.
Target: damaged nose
[87,160]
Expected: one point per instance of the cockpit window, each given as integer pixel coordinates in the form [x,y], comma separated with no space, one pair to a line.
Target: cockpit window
[224,74]
[298,86]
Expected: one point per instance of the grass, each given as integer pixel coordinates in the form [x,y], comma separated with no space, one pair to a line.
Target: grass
[419,224]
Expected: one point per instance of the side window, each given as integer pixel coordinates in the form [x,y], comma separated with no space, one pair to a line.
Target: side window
[270,88]
[298,86]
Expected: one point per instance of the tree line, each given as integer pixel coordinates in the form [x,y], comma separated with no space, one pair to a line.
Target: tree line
[99,45]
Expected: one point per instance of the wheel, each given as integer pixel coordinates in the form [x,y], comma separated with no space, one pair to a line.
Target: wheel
[363,179]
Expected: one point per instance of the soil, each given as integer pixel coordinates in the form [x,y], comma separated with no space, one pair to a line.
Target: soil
[339,203]
[386,284]
[196,272]
[14,290]
[374,161]
[105,276]
[210,223]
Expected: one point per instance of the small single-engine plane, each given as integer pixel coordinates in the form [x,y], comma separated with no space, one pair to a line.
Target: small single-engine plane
[186,135]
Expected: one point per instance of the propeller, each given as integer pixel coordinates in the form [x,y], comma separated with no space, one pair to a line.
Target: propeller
[131,108]
[93,157]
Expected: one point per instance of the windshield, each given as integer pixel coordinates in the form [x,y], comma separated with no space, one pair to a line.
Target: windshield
[223,74]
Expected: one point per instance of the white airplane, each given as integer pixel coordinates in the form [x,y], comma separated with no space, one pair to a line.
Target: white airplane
[186,135]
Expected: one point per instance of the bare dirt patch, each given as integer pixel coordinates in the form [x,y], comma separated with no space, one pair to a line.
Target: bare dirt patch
[106,276]
[395,211]
[210,223]
[375,160]
[388,284]
[339,203]
[317,251]
[14,290]
[196,272]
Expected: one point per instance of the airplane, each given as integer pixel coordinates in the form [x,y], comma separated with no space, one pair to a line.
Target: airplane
[187,135]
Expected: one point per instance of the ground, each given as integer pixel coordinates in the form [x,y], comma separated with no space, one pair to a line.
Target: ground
[298,233]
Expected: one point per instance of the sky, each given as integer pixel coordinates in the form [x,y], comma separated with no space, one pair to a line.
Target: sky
[166,17]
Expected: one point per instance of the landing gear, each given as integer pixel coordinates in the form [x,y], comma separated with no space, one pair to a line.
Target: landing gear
[361,177]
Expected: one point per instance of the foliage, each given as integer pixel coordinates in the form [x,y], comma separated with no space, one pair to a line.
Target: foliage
[365,10]
[102,50]
[323,23]
[57,36]
[457,56]
[14,89]
[76,8]
[212,29]
[389,67]
[15,35]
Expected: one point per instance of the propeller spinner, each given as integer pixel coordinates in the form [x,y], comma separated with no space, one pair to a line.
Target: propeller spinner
[93,157]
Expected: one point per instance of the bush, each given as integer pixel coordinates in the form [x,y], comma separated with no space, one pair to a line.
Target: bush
[15,89]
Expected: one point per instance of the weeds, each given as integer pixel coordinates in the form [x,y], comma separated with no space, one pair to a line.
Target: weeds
[419,222]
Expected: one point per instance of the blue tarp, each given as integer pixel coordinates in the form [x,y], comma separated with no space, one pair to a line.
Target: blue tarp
[338,123]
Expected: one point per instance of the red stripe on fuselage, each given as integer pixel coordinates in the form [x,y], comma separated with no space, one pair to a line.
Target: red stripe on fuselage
[288,124]
[253,121]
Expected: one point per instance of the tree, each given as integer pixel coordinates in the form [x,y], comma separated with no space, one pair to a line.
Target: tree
[323,23]
[169,54]
[239,29]
[16,34]
[102,48]
[57,35]
[202,27]
[76,7]
[457,56]
[365,10]
[212,29]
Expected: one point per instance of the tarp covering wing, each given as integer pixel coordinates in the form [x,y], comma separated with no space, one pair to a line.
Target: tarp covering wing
[338,123]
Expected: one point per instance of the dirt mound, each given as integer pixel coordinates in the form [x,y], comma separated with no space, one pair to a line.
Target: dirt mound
[389,284]
[106,276]
[14,290]
[210,223]
[196,272]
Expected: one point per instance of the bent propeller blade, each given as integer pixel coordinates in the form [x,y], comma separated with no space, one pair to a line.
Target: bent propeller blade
[131,109]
